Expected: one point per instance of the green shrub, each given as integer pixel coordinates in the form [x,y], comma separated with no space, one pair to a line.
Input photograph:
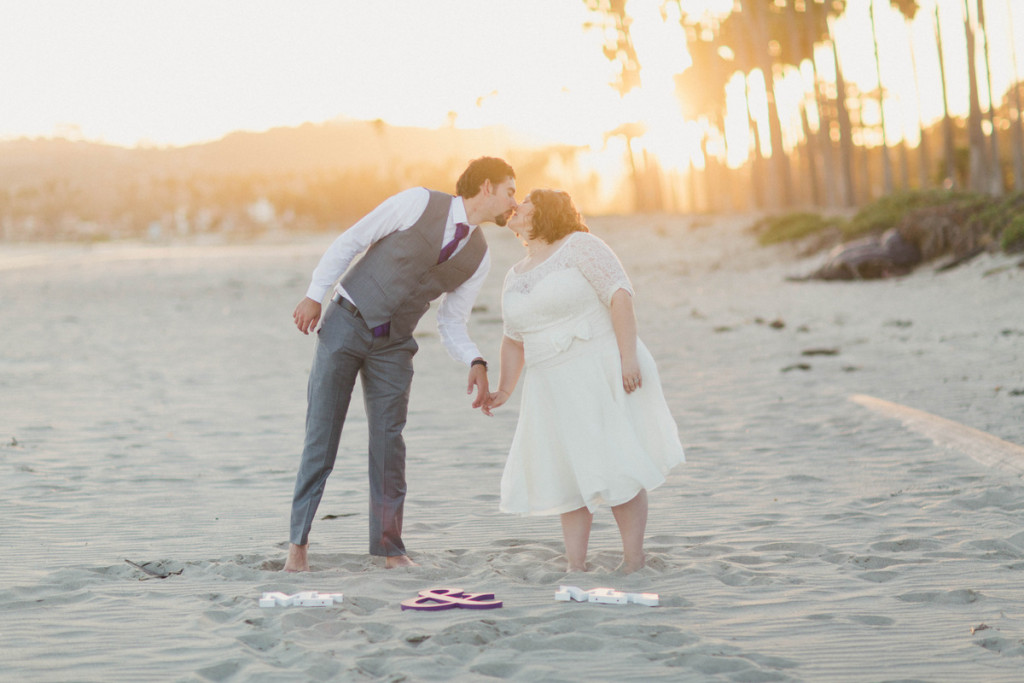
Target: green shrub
[791,226]
[888,211]
[993,215]
[1013,235]
[973,218]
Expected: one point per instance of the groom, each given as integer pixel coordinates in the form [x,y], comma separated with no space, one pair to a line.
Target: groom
[420,245]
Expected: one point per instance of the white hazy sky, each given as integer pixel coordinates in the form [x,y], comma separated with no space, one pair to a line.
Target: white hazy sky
[174,72]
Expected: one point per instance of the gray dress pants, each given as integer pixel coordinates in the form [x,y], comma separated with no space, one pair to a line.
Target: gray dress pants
[345,348]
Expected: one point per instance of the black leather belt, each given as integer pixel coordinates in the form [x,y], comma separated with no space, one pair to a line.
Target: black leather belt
[346,304]
[379,331]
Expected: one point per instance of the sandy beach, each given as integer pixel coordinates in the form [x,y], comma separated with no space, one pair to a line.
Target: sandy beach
[153,399]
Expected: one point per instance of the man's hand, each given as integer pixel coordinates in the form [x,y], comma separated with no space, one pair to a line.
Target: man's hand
[478,379]
[306,315]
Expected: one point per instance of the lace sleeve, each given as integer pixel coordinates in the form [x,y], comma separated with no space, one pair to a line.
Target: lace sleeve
[510,333]
[600,266]
[507,329]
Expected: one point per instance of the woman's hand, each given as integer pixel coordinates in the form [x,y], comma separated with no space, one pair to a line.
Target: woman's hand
[512,359]
[624,324]
[631,377]
[495,400]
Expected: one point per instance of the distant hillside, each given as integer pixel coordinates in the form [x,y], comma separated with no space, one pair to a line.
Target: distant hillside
[310,177]
[342,145]
[337,145]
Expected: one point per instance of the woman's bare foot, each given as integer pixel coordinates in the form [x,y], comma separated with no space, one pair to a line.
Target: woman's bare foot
[398,561]
[631,565]
[297,560]
[631,517]
[575,568]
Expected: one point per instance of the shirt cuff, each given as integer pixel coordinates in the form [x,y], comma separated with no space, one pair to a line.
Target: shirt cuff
[469,354]
[316,293]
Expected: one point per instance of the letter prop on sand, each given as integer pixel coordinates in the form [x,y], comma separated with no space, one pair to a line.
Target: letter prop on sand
[450,598]
[608,596]
[304,599]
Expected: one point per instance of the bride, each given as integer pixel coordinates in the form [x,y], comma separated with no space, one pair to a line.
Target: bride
[593,423]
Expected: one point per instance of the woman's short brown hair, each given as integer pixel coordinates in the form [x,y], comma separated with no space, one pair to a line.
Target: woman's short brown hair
[554,216]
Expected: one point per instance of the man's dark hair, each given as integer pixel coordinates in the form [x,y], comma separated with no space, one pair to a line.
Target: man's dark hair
[485,168]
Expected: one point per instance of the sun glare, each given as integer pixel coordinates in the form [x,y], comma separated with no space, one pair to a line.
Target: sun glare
[180,73]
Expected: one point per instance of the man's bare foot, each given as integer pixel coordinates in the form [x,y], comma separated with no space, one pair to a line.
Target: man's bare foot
[398,561]
[297,560]
[575,568]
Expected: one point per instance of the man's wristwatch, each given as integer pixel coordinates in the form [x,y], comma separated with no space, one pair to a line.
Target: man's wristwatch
[478,361]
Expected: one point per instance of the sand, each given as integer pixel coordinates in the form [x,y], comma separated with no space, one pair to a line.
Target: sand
[153,399]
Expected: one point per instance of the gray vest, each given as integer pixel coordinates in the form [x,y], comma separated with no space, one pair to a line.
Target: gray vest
[398,276]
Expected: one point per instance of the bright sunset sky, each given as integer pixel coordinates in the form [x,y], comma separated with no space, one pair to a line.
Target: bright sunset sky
[174,73]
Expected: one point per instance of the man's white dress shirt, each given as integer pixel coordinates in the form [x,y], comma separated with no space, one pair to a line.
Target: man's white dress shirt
[400,212]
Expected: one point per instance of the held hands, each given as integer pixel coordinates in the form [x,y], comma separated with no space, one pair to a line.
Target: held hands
[631,377]
[495,400]
[478,379]
[306,315]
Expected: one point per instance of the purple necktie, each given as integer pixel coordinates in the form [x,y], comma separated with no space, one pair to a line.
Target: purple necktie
[461,230]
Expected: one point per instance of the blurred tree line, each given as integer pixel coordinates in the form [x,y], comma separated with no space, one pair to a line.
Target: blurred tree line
[843,155]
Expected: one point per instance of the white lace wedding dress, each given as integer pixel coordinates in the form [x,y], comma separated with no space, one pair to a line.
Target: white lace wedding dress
[581,439]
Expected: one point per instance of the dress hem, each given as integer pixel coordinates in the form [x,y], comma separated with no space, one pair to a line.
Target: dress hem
[569,507]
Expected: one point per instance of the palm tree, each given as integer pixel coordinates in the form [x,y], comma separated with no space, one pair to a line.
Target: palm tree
[755,18]
[995,177]
[977,161]
[846,149]
[951,178]
[909,8]
[799,27]
[702,93]
[619,48]
[630,131]
[815,27]
[886,164]
[1018,124]
[733,39]
[619,45]
[804,25]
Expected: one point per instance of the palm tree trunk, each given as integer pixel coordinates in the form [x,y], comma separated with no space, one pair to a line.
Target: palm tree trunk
[810,147]
[947,121]
[757,22]
[904,165]
[886,164]
[727,172]
[996,174]
[780,160]
[757,186]
[863,156]
[977,162]
[691,186]
[811,150]
[845,128]
[638,190]
[711,185]
[923,160]
[829,164]
[828,167]
[1018,124]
